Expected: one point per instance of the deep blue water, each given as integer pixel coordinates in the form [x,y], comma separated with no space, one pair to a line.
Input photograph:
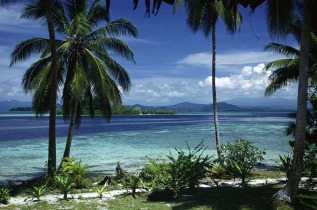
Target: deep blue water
[23,138]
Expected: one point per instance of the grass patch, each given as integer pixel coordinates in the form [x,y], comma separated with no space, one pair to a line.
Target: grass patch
[212,198]
[218,198]
[267,174]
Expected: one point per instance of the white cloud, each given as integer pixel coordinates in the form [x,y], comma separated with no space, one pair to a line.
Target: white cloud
[250,81]
[248,78]
[137,40]
[10,20]
[230,58]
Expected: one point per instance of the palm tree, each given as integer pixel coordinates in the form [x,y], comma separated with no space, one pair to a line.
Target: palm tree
[42,10]
[86,70]
[279,16]
[203,15]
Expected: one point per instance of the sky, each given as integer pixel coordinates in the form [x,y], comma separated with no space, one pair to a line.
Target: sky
[173,64]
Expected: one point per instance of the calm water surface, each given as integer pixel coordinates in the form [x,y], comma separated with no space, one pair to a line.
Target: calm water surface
[24,139]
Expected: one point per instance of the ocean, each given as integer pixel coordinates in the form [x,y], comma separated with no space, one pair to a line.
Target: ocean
[128,139]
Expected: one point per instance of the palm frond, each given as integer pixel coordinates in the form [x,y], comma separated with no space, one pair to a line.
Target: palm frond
[280,78]
[97,13]
[26,48]
[76,7]
[115,46]
[277,64]
[116,28]
[282,49]
[115,69]
[279,14]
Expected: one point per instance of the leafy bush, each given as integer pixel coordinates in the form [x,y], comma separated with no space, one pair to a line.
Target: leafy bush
[132,182]
[310,161]
[36,192]
[286,165]
[75,170]
[120,173]
[156,173]
[100,191]
[240,157]
[4,195]
[218,171]
[178,173]
[188,169]
[64,184]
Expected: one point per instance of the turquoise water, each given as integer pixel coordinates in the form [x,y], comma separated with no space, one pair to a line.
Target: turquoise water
[23,139]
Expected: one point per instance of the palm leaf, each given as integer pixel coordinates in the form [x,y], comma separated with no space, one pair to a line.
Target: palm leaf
[285,50]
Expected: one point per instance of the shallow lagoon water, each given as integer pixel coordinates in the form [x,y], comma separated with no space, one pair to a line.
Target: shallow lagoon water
[24,139]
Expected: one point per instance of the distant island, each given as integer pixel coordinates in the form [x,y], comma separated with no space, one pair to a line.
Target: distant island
[116,110]
[21,109]
[184,107]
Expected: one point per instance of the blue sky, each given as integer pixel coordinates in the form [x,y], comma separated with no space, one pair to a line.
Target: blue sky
[173,64]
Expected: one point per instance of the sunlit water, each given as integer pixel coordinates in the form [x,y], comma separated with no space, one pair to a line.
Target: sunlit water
[24,139]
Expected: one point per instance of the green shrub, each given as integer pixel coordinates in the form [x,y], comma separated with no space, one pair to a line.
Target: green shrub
[218,171]
[99,191]
[286,165]
[64,184]
[240,158]
[36,192]
[132,181]
[4,195]
[188,169]
[156,173]
[119,172]
[75,170]
[178,173]
[310,161]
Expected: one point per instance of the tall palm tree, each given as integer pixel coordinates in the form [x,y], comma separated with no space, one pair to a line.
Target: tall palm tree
[85,67]
[203,15]
[41,10]
[279,15]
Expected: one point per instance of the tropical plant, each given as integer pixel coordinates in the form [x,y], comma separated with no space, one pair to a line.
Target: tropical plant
[279,15]
[189,168]
[64,184]
[41,10]
[100,191]
[218,171]
[203,15]
[86,71]
[286,165]
[36,192]
[240,158]
[180,172]
[310,161]
[286,71]
[4,195]
[132,181]
[75,171]
[156,173]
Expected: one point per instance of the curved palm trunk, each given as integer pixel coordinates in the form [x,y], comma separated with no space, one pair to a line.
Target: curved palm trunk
[51,163]
[214,93]
[70,134]
[289,192]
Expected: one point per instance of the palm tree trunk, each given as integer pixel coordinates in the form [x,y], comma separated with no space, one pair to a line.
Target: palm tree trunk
[289,192]
[301,115]
[51,164]
[70,134]
[214,93]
